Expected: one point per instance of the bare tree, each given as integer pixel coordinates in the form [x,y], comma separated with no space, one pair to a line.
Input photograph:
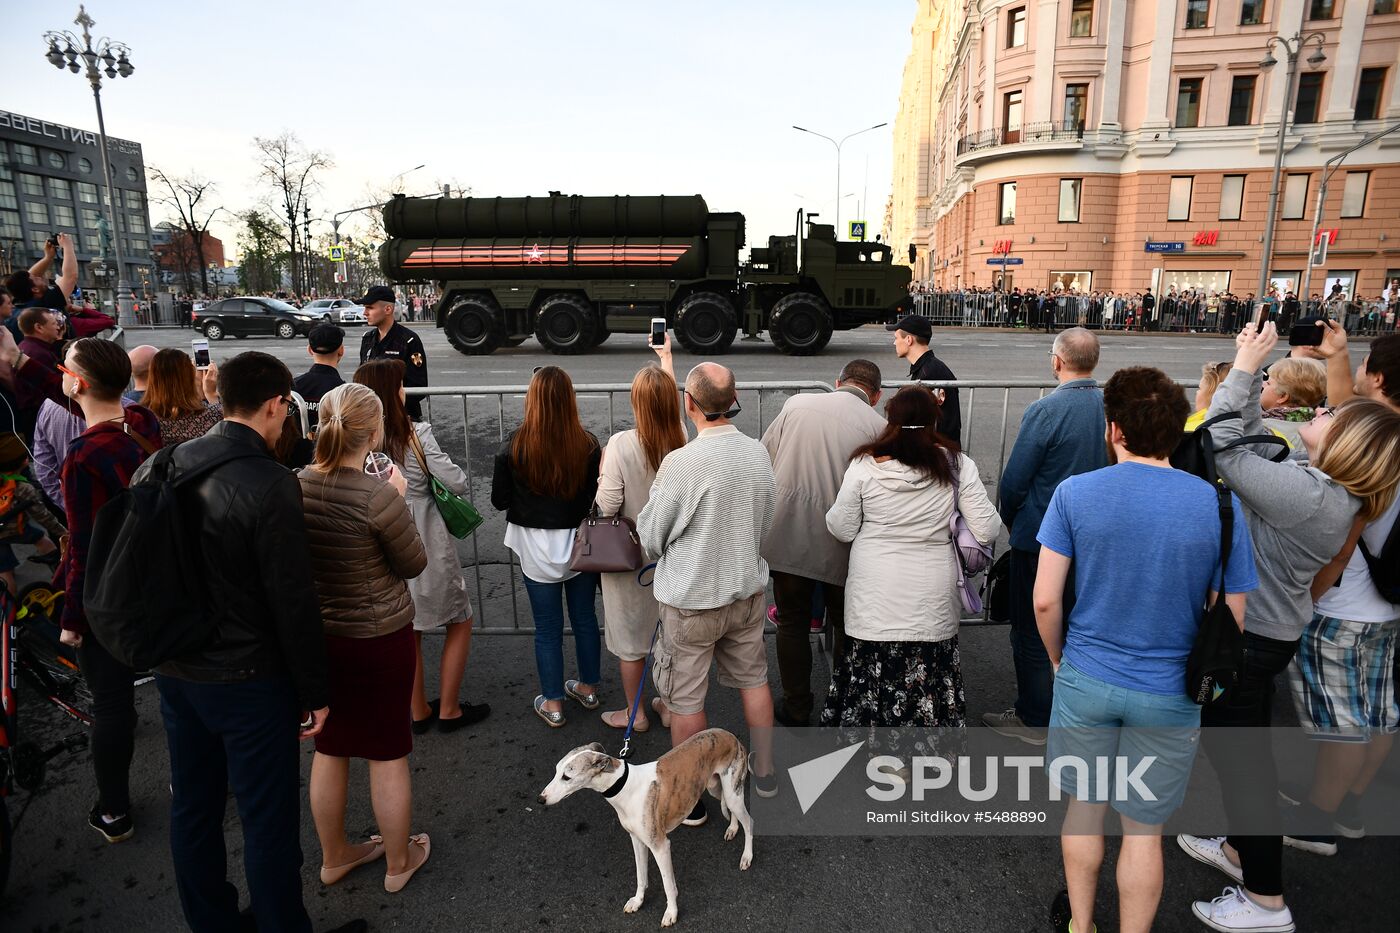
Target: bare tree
[292,171]
[191,199]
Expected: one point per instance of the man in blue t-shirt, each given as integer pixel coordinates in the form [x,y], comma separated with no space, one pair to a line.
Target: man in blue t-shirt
[1120,676]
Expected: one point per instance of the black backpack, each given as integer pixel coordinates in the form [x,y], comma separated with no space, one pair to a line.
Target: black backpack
[1385,566]
[1195,453]
[144,594]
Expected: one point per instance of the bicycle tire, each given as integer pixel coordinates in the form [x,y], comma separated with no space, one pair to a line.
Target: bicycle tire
[51,666]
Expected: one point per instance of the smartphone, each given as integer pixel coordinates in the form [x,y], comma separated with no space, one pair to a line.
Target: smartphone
[658,332]
[1261,316]
[308,722]
[1306,335]
[201,353]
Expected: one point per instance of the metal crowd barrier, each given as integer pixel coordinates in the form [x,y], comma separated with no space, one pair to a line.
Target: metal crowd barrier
[987,445]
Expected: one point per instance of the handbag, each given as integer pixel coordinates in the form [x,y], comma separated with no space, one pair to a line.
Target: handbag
[1217,654]
[606,544]
[973,556]
[459,515]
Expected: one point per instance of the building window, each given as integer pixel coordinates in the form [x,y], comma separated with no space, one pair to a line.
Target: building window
[1251,12]
[1321,9]
[1016,28]
[1076,105]
[31,185]
[56,159]
[135,200]
[85,166]
[1242,100]
[1309,93]
[63,216]
[1384,6]
[87,192]
[9,225]
[1070,281]
[1081,18]
[26,154]
[1295,196]
[91,218]
[1197,14]
[7,195]
[1179,198]
[1368,93]
[1069,199]
[37,213]
[1011,117]
[61,188]
[1008,203]
[1354,194]
[1231,197]
[132,174]
[1188,102]
[137,246]
[136,223]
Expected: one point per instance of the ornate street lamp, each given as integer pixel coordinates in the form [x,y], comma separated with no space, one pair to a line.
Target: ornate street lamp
[110,58]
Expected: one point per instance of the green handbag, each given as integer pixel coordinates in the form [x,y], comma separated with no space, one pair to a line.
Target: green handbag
[459,515]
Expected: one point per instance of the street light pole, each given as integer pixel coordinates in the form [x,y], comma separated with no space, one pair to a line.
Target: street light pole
[838,145]
[114,65]
[1292,46]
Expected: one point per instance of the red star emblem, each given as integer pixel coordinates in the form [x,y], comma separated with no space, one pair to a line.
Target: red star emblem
[534,254]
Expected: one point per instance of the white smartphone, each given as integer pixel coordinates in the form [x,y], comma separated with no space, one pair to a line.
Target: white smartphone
[658,332]
[200,349]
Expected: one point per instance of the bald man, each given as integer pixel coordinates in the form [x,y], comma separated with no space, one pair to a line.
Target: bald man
[140,371]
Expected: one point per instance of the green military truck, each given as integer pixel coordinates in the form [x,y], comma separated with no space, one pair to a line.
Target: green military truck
[572,270]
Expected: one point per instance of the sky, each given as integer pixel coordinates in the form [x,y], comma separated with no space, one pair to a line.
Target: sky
[511,98]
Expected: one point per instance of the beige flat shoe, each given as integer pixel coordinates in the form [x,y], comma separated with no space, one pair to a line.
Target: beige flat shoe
[331,875]
[617,719]
[659,706]
[395,883]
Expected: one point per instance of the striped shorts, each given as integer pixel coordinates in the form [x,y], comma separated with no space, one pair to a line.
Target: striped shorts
[1343,679]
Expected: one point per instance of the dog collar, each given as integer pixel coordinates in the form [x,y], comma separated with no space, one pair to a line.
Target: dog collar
[617,785]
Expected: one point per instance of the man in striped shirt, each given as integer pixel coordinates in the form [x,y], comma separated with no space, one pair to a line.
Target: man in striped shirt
[710,507]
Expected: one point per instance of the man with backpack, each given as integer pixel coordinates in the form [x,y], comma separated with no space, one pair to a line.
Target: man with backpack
[232,704]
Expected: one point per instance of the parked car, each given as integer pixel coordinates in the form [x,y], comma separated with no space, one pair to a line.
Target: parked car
[341,310]
[250,317]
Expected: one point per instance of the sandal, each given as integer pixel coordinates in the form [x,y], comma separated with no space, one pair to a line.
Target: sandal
[395,883]
[554,717]
[333,875]
[658,705]
[610,719]
[588,701]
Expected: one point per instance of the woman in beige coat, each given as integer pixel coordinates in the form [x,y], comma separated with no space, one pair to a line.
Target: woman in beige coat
[630,462]
[363,547]
[900,666]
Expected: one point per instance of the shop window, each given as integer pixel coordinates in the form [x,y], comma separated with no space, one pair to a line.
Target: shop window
[1179,197]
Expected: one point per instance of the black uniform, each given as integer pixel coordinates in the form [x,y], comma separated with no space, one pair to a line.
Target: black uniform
[314,383]
[401,343]
[930,367]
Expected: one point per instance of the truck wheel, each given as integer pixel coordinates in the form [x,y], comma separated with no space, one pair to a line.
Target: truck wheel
[566,325]
[474,326]
[706,323]
[800,324]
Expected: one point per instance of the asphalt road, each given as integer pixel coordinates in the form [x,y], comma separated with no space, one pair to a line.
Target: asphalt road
[501,862]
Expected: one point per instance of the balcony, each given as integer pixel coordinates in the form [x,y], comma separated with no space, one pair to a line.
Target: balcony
[1055,131]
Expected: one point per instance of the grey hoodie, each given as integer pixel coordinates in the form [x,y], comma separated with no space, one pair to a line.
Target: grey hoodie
[1298,516]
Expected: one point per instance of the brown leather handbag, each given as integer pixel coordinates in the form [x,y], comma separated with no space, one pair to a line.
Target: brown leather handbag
[606,544]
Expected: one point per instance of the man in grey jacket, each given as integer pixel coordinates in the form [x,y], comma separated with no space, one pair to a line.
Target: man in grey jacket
[811,442]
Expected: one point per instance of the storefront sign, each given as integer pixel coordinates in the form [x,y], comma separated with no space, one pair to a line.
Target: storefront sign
[1162,246]
[1206,238]
[1001,248]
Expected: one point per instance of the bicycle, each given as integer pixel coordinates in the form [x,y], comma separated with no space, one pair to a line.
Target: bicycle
[30,649]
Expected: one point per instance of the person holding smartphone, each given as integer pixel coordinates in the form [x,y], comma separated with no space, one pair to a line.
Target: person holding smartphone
[32,288]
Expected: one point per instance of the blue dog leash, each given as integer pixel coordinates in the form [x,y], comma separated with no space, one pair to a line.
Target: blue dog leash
[637,701]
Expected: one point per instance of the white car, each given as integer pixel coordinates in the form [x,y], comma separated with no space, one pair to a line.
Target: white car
[336,309]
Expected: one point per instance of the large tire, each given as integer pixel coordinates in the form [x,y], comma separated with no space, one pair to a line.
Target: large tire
[566,325]
[213,330]
[474,326]
[706,323]
[800,324]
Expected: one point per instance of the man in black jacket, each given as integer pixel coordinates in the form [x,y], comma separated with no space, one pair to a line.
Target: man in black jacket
[232,709]
[911,337]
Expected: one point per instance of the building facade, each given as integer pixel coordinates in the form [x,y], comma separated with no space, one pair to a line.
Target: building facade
[1108,145]
[51,182]
[178,261]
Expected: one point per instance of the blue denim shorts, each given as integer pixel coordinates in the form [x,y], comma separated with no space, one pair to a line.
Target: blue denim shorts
[1137,747]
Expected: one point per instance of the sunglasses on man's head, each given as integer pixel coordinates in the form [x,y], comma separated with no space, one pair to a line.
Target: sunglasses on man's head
[716,415]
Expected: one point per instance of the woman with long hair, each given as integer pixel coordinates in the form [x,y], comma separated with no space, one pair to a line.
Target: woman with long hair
[184,400]
[629,467]
[363,547]
[546,475]
[439,593]
[900,666]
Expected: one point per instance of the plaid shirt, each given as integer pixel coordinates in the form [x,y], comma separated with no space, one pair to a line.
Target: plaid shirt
[99,466]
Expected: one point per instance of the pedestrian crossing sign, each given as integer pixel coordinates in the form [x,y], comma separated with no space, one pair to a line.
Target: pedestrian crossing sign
[857,230]
[337,254]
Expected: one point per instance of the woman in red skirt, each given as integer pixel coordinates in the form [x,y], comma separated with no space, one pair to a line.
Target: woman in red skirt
[363,546]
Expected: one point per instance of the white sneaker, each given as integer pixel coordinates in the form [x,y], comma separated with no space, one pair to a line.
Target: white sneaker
[1234,911]
[1010,725]
[1210,850]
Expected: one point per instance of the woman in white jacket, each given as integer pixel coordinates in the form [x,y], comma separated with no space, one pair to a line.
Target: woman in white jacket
[900,666]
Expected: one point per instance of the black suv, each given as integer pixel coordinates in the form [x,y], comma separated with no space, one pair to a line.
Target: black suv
[248,317]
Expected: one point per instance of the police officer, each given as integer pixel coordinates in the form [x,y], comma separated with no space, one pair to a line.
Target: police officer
[387,339]
[326,346]
[911,336]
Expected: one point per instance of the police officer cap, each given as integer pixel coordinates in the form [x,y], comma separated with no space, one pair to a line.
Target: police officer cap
[325,338]
[914,326]
[377,293]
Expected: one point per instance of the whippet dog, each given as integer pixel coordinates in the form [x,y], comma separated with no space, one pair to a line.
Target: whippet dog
[651,799]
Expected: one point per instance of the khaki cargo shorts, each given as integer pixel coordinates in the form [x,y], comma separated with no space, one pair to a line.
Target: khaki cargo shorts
[731,636]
